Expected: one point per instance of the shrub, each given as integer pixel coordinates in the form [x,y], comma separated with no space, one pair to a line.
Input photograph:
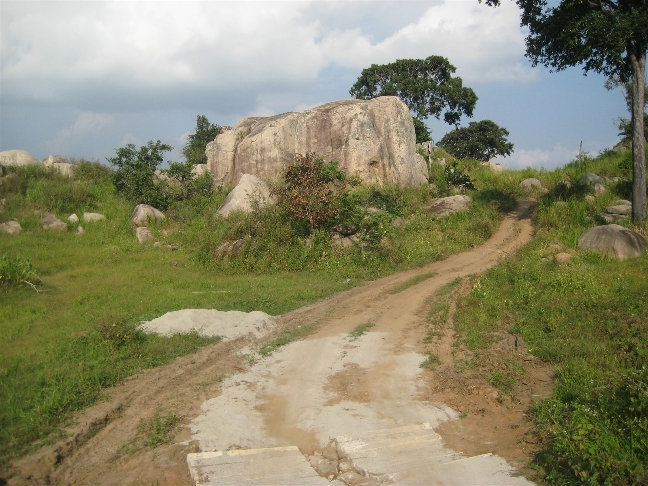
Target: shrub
[310,187]
[134,177]
[15,271]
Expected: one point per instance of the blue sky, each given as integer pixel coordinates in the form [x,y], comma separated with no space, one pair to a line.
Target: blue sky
[85,77]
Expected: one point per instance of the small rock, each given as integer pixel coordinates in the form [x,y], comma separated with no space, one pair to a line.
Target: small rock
[80,230]
[562,258]
[143,234]
[73,218]
[10,228]
[398,222]
[143,213]
[93,217]
[531,184]
[623,209]
[599,189]
[446,206]
[590,199]
[51,223]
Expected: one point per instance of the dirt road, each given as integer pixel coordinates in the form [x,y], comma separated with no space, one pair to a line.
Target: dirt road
[329,385]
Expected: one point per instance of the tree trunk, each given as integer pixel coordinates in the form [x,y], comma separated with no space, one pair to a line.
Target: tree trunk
[638,58]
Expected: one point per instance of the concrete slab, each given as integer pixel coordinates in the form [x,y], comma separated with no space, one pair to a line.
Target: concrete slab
[285,466]
[415,455]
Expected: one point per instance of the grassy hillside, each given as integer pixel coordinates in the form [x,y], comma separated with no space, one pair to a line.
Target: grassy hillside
[590,318]
[74,332]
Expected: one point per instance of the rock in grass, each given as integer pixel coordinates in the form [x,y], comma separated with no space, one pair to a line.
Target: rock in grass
[18,158]
[10,228]
[143,213]
[93,217]
[445,206]
[531,184]
[250,194]
[613,240]
[51,223]
[143,234]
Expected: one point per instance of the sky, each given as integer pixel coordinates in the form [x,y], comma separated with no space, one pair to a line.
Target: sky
[82,78]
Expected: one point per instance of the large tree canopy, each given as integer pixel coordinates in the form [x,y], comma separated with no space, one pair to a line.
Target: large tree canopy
[605,36]
[481,140]
[427,86]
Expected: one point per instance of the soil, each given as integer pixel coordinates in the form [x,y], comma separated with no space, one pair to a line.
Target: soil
[226,400]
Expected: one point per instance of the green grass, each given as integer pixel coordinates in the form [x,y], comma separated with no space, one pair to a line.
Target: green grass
[589,319]
[360,330]
[431,361]
[411,282]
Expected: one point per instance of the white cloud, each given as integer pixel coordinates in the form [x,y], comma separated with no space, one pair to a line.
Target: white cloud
[85,125]
[557,156]
[484,43]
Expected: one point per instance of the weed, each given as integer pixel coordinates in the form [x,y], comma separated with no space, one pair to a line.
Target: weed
[286,337]
[15,271]
[431,361]
[412,282]
[159,429]
[360,330]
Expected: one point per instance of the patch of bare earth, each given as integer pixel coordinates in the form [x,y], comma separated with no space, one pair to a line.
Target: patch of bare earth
[99,449]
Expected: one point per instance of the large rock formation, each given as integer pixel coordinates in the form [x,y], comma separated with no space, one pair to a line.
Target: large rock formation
[371,139]
[19,158]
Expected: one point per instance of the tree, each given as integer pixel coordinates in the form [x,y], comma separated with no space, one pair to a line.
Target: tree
[194,149]
[135,172]
[427,86]
[605,36]
[481,140]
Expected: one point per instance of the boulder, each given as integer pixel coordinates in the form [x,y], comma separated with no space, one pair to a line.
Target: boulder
[143,213]
[93,217]
[143,234]
[531,184]
[446,206]
[18,158]
[594,182]
[623,208]
[73,218]
[494,166]
[51,223]
[613,240]
[372,139]
[10,228]
[199,169]
[250,194]
[55,159]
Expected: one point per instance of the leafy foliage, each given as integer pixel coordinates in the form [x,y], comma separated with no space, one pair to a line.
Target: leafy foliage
[309,190]
[134,177]
[427,86]
[481,140]
[194,149]
[608,37]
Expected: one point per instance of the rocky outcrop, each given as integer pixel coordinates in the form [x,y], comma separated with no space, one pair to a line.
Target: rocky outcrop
[143,213]
[249,194]
[60,164]
[613,240]
[18,158]
[372,139]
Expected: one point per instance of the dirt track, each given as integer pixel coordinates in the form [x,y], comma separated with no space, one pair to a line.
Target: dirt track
[299,394]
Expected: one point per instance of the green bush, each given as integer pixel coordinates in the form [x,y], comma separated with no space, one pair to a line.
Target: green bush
[310,187]
[135,174]
[15,271]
